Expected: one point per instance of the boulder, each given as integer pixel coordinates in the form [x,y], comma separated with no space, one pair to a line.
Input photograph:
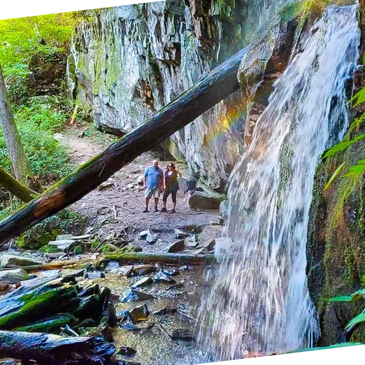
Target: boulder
[210,233]
[161,277]
[204,200]
[177,246]
[209,245]
[13,276]
[10,261]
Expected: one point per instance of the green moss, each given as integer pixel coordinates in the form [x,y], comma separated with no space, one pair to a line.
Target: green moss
[36,306]
[51,325]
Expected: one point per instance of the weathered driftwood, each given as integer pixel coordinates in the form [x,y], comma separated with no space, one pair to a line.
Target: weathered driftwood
[167,258]
[57,350]
[15,187]
[219,84]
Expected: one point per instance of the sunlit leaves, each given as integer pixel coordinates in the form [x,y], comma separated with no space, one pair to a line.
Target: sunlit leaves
[333,177]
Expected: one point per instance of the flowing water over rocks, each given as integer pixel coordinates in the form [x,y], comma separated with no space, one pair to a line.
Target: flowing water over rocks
[259,300]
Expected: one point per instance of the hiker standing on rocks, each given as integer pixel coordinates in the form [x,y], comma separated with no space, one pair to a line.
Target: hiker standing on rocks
[171,186]
[153,184]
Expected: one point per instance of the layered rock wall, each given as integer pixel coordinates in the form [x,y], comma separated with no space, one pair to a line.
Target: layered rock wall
[128,62]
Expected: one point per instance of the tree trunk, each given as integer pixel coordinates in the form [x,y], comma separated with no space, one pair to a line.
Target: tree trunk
[12,138]
[15,187]
[166,258]
[219,84]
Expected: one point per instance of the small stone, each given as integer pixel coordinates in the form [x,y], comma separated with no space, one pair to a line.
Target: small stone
[200,251]
[122,315]
[178,234]
[132,295]
[130,186]
[151,239]
[176,286]
[209,245]
[143,269]
[63,245]
[112,265]
[182,335]
[141,283]
[139,314]
[95,275]
[3,286]
[132,327]
[214,223]
[171,272]
[13,276]
[144,234]
[165,311]
[161,277]
[73,273]
[191,242]
[105,185]
[127,351]
[177,246]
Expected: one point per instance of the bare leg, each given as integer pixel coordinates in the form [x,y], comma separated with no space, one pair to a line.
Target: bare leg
[156,203]
[147,203]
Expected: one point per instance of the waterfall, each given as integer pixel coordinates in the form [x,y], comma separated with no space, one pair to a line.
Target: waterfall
[259,300]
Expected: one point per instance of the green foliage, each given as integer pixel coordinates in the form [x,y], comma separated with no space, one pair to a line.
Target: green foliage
[358,319]
[338,170]
[349,298]
[322,350]
[36,124]
[342,146]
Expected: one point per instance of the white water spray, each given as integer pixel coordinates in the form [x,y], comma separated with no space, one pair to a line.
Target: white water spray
[260,300]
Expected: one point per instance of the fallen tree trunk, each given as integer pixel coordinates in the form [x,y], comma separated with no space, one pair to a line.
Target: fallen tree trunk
[166,258]
[219,84]
[15,187]
[57,350]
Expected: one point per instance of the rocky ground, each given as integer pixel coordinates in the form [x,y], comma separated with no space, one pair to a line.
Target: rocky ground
[154,303]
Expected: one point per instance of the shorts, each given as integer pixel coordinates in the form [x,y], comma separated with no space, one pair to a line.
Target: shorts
[149,193]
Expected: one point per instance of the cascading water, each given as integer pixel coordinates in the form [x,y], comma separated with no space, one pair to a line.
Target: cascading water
[259,300]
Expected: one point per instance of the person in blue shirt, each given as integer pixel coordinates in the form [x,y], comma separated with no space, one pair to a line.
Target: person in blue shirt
[153,184]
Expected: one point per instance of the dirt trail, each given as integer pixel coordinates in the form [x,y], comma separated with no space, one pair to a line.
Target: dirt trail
[120,206]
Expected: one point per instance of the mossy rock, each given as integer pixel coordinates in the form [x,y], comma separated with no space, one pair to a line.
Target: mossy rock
[49,325]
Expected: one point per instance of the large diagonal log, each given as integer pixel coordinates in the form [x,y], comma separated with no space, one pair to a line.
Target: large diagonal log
[216,86]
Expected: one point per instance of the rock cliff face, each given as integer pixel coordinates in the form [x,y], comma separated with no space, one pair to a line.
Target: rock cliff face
[130,61]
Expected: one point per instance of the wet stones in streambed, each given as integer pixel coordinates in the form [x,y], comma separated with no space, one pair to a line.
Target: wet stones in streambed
[161,277]
[142,270]
[13,276]
[13,261]
[171,272]
[127,351]
[132,295]
[178,234]
[139,314]
[142,282]
[165,311]
[182,335]
[176,247]
[176,286]
[122,315]
[134,328]
[148,236]
[94,275]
